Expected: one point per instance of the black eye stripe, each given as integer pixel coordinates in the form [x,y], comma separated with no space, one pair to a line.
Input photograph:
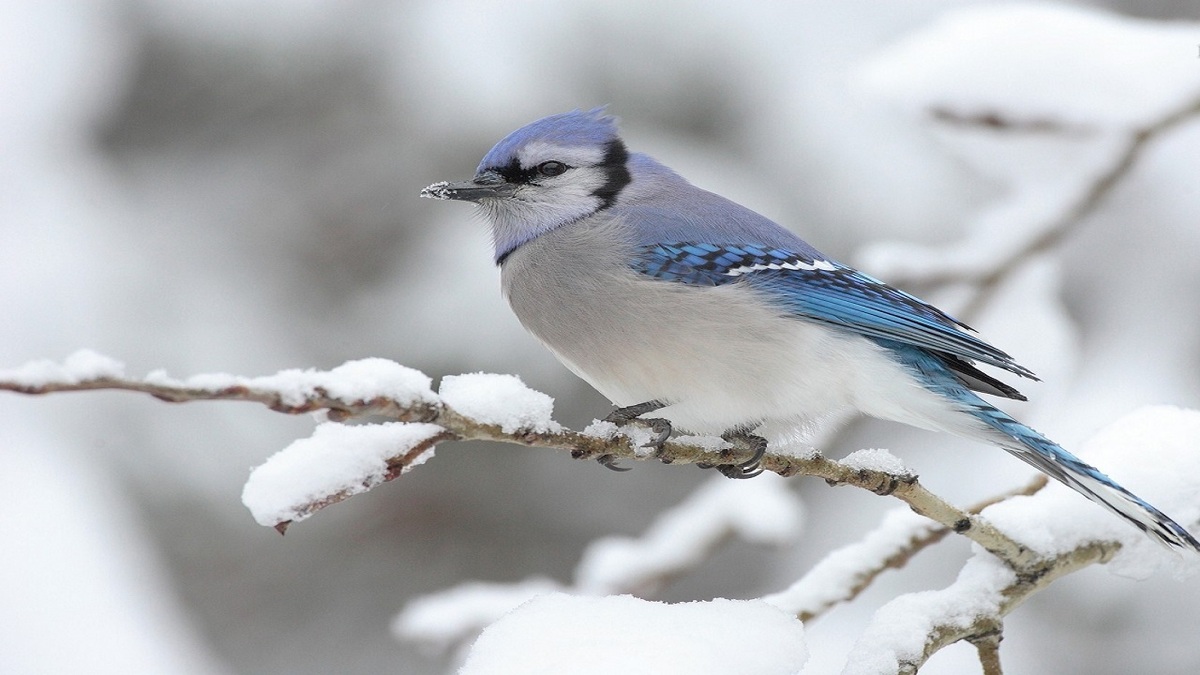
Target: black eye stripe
[616,173]
[514,173]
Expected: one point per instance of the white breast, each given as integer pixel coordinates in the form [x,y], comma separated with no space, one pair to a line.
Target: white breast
[722,357]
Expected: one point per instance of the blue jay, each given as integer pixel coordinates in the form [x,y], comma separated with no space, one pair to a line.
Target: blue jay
[672,300]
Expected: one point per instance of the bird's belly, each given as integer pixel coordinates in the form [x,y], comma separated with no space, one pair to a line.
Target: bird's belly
[752,379]
[718,357]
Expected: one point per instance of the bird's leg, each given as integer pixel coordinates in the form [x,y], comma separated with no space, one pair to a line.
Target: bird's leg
[632,415]
[750,468]
[622,416]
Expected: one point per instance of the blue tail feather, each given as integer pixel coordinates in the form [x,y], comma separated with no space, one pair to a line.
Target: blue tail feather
[1051,459]
[1035,449]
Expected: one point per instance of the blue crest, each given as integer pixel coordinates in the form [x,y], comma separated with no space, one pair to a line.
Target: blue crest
[591,128]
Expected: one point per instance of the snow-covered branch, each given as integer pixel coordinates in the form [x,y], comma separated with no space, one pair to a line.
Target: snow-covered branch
[1031,536]
[678,541]
[357,388]
[910,629]
[1066,537]
[841,575]
[341,461]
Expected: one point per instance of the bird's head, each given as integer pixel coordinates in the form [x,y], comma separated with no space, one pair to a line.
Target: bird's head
[554,171]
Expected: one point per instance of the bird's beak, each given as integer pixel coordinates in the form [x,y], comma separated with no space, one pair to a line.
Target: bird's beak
[486,185]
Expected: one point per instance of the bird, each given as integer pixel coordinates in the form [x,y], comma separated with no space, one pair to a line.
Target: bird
[674,301]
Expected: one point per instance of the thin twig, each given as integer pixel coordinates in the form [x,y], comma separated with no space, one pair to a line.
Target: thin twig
[272,398]
[1013,595]
[900,557]
[988,646]
[1088,201]
[396,467]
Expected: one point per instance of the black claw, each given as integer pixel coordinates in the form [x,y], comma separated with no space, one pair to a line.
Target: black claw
[610,462]
[739,471]
[661,428]
[751,467]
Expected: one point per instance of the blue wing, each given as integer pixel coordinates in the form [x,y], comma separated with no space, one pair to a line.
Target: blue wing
[828,293]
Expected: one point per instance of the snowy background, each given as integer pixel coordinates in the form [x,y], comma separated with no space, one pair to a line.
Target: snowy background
[232,186]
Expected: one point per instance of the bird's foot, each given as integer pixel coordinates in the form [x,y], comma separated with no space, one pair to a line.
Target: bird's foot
[661,428]
[746,441]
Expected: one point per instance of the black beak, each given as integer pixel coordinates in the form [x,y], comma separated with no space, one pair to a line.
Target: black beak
[486,185]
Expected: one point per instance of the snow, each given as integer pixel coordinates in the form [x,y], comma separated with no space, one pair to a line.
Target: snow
[709,443]
[898,631]
[444,618]
[560,633]
[639,436]
[1152,452]
[336,459]
[503,400]
[351,382]
[365,379]
[1042,63]
[81,366]
[763,510]
[601,429]
[875,459]
[835,577]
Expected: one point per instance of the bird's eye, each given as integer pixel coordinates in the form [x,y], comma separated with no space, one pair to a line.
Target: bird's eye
[552,168]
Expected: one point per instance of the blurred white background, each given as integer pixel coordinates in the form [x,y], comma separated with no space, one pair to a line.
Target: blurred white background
[232,185]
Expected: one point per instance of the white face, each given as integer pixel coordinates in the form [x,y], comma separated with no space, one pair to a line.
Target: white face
[546,195]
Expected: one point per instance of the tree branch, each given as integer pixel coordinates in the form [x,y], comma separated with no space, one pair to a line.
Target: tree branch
[318,400]
[845,573]
[987,643]
[987,627]
[310,391]
[1085,204]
